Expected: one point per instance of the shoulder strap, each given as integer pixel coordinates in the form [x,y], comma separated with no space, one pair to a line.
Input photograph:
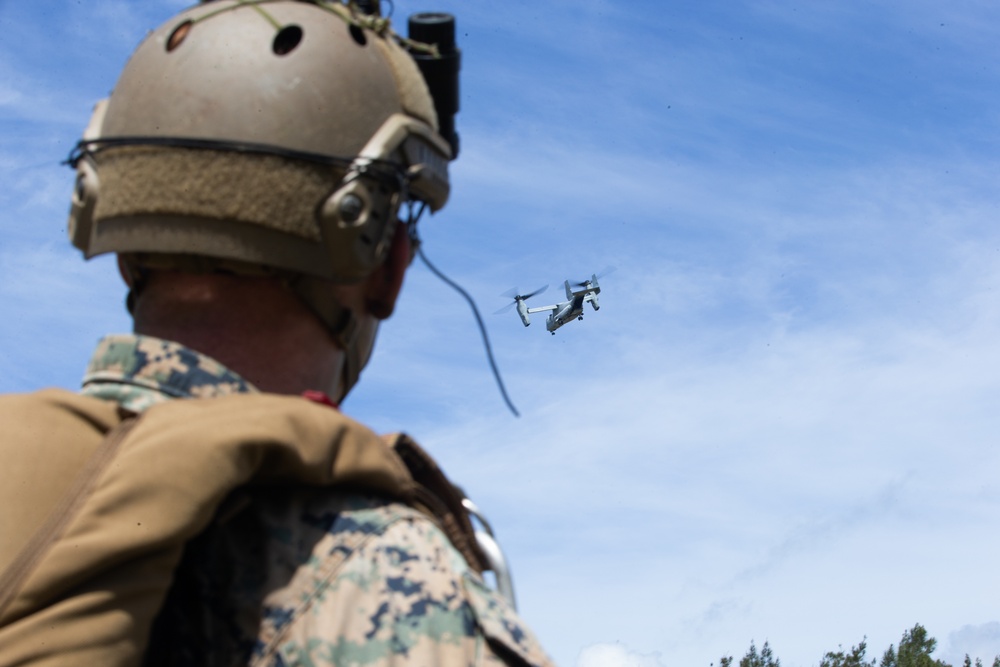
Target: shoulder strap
[33,551]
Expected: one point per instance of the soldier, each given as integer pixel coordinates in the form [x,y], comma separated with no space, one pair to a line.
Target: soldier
[258,169]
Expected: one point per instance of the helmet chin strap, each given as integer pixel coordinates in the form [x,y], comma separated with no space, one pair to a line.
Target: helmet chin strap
[358,355]
[353,334]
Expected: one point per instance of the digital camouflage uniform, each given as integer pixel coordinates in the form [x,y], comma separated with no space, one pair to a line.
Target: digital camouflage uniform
[293,576]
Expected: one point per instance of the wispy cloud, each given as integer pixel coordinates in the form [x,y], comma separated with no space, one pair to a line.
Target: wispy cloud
[59,308]
[976,641]
[616,655]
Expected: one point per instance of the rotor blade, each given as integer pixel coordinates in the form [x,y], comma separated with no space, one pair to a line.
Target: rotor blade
[536,292]
[607,270]
[506,308]
[599,274]
[512,293]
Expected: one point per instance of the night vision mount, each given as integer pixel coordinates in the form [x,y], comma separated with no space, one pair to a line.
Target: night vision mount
[439,64]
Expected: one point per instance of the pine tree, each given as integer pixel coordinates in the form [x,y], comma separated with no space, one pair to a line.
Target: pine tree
[856,658]
[763,659]
[914,650]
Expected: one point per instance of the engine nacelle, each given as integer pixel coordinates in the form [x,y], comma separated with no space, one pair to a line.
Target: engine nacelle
[522,310]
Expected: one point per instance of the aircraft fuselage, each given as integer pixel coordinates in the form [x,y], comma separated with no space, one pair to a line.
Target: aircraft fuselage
[567,311]
[561,313]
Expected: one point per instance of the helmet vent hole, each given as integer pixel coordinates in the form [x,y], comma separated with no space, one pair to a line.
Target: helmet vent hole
[178,35]
[358,35]
[286,40]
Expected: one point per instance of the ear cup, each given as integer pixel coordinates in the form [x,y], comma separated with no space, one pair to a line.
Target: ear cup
[357,222]
[82,204]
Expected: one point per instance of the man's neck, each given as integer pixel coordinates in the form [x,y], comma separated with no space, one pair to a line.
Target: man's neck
[254,326]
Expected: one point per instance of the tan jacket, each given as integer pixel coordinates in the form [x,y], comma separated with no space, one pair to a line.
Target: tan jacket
[95,506]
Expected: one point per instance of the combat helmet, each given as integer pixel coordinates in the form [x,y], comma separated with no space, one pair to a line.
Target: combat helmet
[263,136]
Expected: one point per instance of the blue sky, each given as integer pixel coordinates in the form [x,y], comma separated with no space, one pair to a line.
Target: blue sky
[781,424]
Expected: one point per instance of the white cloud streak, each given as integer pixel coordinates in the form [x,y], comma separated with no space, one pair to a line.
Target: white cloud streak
[616,655]
[976,641]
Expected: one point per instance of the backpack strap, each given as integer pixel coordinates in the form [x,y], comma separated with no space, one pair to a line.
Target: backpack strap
[70,502]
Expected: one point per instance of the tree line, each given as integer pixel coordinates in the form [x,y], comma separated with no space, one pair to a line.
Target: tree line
[914,650]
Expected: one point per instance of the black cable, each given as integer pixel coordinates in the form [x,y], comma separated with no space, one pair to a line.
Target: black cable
[482,328]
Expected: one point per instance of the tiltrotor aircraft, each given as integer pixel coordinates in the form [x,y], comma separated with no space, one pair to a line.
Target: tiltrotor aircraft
[561,313]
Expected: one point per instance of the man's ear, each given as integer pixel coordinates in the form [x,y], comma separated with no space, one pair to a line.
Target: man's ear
[133,280]
[383,286]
